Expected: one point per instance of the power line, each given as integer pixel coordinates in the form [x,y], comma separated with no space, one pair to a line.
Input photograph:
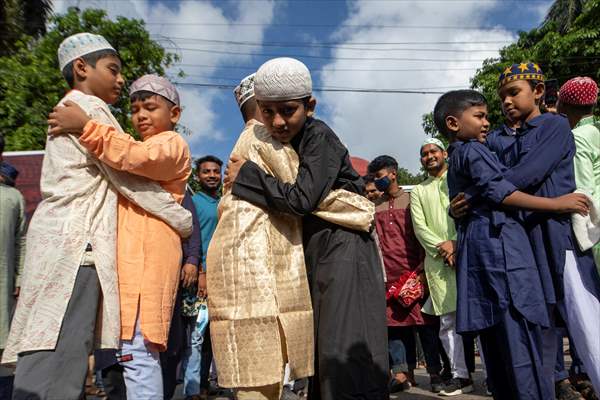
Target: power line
[322,46]
[344,90]
[324,57]
[332,69]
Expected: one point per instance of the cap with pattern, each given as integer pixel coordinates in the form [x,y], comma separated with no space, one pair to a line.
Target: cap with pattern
[155,84]
[245,90]
[282,79]
[79,45]
[521,71]
[434,141]
[580,91]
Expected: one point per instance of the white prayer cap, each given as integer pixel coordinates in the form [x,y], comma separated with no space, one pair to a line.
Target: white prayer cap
[282,79]
[155,84]
[434,141]
[245,90]
[79,45]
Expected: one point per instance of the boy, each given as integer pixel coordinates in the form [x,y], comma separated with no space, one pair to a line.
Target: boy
[344,270]
[542,164]
[436,232]
[70,271]
[149,251]
[500,294]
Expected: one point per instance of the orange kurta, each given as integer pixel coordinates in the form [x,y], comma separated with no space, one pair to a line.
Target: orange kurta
[148,250]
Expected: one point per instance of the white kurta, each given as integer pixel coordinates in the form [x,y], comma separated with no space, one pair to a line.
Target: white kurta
[79,206]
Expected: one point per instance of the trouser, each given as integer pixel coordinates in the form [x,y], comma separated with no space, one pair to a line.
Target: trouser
[453,345]
[142,374]
[6,381]
[560,372]
[114,384]
[513,351]
[429,339]
[582,308]
[60,374]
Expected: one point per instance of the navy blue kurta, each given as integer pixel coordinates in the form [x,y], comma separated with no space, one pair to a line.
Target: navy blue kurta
[495,265]
[500,141]
[541,164]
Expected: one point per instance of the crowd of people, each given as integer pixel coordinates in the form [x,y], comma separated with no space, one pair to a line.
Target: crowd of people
[288,264]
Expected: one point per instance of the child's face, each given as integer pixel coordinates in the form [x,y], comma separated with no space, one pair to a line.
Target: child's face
[284,119]
[471,124]
[104,80]
[153,115]
[519,100]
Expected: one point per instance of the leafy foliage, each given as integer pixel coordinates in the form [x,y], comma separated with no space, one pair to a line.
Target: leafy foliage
[576,52]
[22,17]
[32,84]
[404,177]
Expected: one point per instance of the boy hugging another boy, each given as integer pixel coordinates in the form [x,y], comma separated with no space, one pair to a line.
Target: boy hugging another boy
[149,251]
[500,293]
[70,271]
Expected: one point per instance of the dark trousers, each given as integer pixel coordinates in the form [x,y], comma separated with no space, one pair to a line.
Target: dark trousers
[405,335]
[114,383]
[560,372]
[61,373]
[513,351]
[207,357]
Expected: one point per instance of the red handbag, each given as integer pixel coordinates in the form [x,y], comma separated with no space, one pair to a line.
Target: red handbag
[407,290]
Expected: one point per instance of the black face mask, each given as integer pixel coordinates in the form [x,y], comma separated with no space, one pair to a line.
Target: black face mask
[382,184]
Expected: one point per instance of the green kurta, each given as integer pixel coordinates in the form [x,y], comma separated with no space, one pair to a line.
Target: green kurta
[12,252]
[429,204]
[587,162]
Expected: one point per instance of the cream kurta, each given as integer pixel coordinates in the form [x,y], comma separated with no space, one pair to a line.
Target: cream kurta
[79,206]
[257,277]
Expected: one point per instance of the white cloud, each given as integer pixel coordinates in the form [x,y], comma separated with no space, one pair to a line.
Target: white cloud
[375,124]
[178,21]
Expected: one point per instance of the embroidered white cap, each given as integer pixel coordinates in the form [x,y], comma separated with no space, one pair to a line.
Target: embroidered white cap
[155,84]
[245,90]
[282,79]
[79,45]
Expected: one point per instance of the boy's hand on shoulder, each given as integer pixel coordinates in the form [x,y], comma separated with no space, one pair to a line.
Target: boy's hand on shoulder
[233,168]
[68,118]
[459,206]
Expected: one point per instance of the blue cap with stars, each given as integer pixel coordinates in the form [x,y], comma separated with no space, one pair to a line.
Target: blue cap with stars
[521,71]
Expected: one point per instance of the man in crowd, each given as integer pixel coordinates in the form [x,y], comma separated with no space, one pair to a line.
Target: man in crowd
[403,260]
[12,253]
[198,360]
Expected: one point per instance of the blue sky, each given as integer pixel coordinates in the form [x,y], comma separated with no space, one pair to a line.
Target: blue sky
[423,45]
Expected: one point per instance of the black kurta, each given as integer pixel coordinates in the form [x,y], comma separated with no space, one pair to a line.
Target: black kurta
[344,270]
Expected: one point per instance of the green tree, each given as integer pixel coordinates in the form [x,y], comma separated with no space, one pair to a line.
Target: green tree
[563,13]
[22,17]
[561,55]
[405,177]
[32,84]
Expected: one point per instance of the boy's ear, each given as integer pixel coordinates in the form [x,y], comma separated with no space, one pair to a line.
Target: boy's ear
[310,106]
[175,114]
[80,69]
[538,91]
[452,123]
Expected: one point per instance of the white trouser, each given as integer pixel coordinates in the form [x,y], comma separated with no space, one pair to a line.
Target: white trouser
[583,319]
[142,374]
[453,345]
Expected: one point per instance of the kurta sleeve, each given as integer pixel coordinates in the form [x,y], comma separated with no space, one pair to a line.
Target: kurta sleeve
[543,157]
[319,167]
[584,165]
[192,246]
[487,174]
[20,242]
[144,192]
[162,159]
[425,236]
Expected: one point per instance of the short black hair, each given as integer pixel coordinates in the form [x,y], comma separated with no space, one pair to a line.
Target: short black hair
[90,59]
[578,108]
[382,162]
[454,103]
[208,158]
[369,178]
[146,94]
[1,144]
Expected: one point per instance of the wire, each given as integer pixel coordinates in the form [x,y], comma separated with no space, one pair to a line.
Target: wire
[331,69]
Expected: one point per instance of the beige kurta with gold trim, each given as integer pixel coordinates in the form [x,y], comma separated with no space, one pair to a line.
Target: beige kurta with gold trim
[257,277]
